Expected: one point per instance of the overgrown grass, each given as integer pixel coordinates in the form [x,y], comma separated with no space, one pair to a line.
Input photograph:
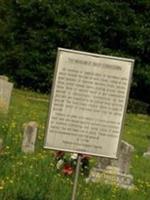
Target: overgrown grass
[34,177]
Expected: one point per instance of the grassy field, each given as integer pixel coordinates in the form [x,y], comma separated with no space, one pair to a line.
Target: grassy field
[34,177]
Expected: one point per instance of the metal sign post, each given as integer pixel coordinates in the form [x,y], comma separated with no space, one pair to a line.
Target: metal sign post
[76,177]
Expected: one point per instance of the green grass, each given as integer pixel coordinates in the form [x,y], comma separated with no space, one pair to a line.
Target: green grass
[34,177]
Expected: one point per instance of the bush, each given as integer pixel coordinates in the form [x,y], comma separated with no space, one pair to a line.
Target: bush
[135,106]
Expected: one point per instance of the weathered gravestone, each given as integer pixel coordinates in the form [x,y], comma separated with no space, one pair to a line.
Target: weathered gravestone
[29,137]
[115,171]
[1,144]
[2,77]
[147,154]
[124,157]
[5,93]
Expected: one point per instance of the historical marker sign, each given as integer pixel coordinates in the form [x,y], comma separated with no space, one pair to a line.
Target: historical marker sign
[88,103]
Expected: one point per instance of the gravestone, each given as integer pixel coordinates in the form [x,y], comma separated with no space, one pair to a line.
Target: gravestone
[124,157]
[29,137]
[115,171]
[1,144]
[4,78]
[147,154]
[5,93]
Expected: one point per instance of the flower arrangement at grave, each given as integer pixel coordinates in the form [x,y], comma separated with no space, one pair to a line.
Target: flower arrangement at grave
[66,165]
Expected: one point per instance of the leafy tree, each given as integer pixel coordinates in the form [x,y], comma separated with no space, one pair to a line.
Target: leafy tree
[32,30]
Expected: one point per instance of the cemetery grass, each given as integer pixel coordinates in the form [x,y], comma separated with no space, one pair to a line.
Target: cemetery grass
[34,176]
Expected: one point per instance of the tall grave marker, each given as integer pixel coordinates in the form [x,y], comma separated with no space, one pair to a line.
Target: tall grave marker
[5,93]
[88,103]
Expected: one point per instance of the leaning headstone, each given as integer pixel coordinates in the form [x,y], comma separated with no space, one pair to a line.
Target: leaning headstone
[5,93]
[29,137]
[147,154]
[115,171]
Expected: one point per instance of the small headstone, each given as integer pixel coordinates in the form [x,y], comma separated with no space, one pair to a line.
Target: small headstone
[1,144]
[29,137]
[5,93]
[115,171]
[147,154]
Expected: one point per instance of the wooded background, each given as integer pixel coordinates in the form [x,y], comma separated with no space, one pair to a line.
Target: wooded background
[32,30]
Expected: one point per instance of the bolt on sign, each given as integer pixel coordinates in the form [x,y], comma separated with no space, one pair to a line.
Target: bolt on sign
[88,103]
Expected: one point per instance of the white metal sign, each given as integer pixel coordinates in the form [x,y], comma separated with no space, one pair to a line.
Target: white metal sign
[88,103]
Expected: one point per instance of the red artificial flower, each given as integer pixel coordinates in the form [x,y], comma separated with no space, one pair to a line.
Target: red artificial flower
[68,169]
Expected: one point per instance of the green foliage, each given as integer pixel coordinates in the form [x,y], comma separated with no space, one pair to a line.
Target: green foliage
[135,106]
[34,176]
[32,30]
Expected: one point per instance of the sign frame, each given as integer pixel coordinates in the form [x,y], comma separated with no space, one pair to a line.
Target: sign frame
[52,97]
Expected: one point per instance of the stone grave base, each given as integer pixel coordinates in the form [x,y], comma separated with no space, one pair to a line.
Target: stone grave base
[111,175]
